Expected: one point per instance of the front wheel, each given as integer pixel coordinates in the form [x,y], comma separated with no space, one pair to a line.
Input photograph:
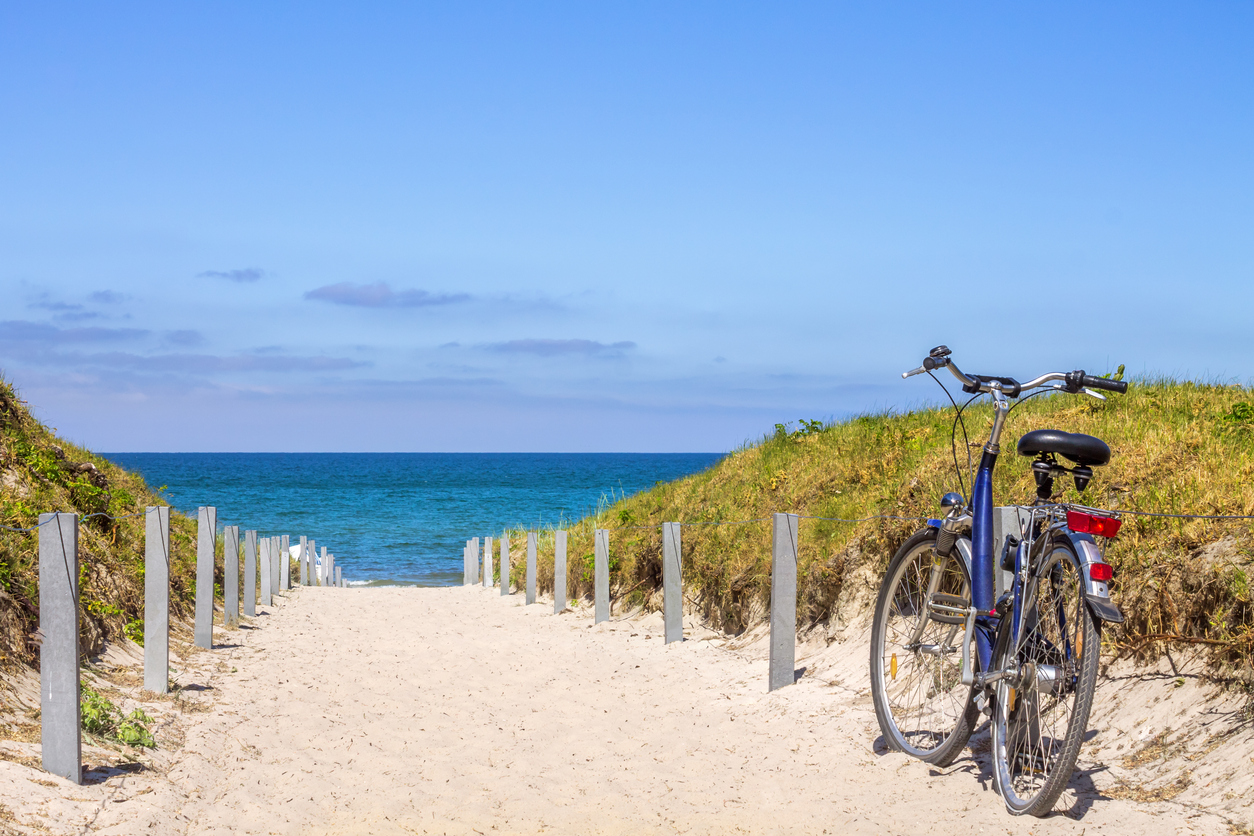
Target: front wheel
[922,706]
[1041,710]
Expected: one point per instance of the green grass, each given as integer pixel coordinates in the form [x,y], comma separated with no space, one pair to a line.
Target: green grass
[1178,447]
[40,473]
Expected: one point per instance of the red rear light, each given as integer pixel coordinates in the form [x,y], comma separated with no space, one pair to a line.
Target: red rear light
[1101,572]
[1082,523]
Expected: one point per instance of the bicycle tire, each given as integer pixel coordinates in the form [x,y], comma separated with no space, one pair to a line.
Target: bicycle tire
[1040,716]
[922,706]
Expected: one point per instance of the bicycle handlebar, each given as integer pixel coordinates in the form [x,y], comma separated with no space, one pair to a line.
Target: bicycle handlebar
[1090,382]
[1072,381]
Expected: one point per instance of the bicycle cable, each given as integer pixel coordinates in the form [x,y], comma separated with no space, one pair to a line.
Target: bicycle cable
[953,434]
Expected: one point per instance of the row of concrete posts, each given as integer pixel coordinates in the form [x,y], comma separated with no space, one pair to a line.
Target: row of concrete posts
[61,729]
[478,568]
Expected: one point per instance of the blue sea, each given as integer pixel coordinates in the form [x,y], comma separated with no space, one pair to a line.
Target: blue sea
[402,518]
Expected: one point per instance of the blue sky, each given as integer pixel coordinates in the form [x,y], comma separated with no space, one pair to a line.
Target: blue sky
[597,226]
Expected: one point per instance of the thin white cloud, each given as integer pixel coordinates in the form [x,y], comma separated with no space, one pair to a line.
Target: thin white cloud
[380,295]
[244,275]
[559,348]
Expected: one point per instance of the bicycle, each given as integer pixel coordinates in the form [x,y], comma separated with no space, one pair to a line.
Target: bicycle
[1034,666]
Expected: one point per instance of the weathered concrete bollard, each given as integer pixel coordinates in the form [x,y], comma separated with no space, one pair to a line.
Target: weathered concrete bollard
[474,560]
[487,562]
[285,551]
[266,565]
[276,565]
[323,580]
[60,726]
[250,573]
[783,600]
[531,567]
[339,577]
[311,558]
[157,598]
[330,570]
[559,571]
[303,559]
[672,582]
[466,563]
[230,577]
[601,576]
[206,545]
[504,564]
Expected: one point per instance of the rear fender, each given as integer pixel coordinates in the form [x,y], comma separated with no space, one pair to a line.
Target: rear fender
[1096,593]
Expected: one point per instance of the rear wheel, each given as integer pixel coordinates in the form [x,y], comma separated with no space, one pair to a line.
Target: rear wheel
[922,706]
[1042,710]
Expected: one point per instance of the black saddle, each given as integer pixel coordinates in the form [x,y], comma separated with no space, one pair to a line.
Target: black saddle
[1081,449]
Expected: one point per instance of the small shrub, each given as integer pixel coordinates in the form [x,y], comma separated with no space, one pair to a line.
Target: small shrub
[102,718]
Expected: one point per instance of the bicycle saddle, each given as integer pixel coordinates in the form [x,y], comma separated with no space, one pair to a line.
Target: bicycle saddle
[1081,449]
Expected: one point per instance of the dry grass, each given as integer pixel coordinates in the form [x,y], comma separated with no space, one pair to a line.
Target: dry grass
[1178,447]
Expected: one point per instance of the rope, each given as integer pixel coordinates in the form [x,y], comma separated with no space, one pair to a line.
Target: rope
[1187,516]
[37,526]
[863,519]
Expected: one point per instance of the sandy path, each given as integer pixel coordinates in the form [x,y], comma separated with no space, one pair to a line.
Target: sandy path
[456,711]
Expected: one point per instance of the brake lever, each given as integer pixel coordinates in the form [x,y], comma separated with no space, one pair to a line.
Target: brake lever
[1091,393]
[919,370]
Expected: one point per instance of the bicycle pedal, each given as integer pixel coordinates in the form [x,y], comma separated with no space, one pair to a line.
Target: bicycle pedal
[983,703]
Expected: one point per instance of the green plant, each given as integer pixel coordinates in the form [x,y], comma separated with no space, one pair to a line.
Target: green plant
[1117,374]
[102,718]
[804,428]
[133,730]
[1240,418]
[134,631]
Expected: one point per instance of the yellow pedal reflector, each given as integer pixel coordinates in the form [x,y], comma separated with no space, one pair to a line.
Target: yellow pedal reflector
[892,667]
[1010,700]
[1079,642]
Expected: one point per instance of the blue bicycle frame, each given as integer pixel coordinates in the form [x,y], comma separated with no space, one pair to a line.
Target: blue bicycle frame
[982,567]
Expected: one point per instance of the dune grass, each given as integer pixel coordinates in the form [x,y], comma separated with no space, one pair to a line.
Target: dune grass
[40,473]
[1178,447]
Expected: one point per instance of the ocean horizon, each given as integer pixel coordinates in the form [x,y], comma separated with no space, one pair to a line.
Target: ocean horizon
[402,518]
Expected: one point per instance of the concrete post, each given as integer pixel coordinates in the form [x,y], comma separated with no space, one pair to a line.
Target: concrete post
[266,565]
[61,728]
[1008,521]
[559,571]
[487,562]
[474,559]
[250,573]
[330,570]
[285,574]
[672,582]
[531,567]
[311,558]
[783,665]
[322,569]
[304,552]
[601,576]
[339,577]
[504,564]
[157,599]
[206,545]
[275,565]
[230,577]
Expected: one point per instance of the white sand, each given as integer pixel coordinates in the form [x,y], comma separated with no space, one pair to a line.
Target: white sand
[457,711]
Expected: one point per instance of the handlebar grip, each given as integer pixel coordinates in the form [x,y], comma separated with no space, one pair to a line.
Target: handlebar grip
[1091,382]
[1078,380]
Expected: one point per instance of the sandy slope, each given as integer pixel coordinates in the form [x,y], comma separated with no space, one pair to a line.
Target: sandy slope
[456,711]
